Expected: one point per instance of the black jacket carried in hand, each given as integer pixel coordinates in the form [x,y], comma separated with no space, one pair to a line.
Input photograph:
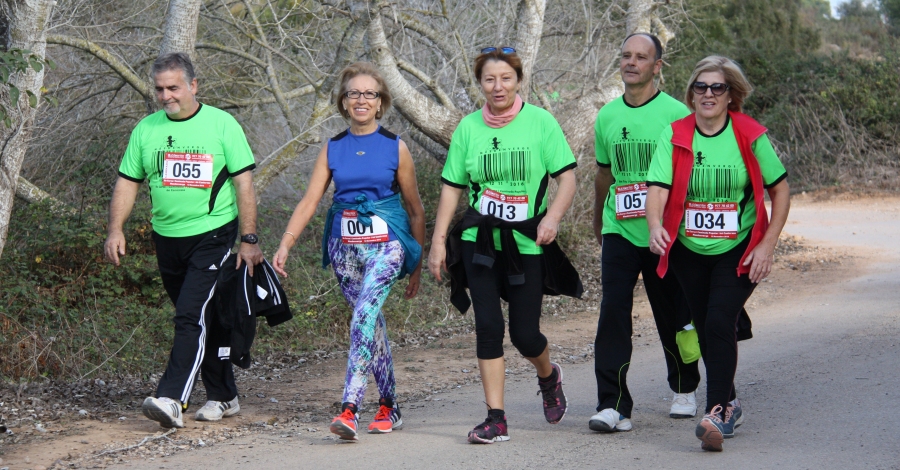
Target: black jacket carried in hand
[240,298]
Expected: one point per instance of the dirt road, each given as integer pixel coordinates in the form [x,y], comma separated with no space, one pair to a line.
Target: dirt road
[820,383]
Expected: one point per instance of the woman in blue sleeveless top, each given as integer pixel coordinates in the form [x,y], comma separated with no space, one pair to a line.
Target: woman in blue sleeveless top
[370,240]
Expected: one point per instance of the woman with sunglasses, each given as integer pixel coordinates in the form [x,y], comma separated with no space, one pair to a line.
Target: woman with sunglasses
[708,223]
[505,154]
[369,239]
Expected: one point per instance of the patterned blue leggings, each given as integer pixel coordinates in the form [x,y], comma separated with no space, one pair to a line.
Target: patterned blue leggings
[366,272]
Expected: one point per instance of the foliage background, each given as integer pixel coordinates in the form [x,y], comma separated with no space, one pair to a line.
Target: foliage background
[828,89]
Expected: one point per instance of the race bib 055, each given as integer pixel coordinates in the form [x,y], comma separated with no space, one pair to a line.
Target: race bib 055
[190,170]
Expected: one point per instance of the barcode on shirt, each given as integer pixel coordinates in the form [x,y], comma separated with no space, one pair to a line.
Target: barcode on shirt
[632,157]
[504,165]
[709,184]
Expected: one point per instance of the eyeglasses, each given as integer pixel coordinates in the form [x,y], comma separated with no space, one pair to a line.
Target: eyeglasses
[505,50]
[369,95]
[717,89]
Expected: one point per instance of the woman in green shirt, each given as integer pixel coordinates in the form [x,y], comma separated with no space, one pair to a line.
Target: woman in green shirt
[505,155]
[707,218]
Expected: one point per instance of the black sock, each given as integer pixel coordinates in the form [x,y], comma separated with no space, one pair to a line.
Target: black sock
[495,413]
[386,402]
[349,405]
[550,378]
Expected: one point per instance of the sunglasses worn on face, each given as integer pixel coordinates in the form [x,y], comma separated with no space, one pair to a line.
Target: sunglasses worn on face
[505,50]
[369,95]
[717,89]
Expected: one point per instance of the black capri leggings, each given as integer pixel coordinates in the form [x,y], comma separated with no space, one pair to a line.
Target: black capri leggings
[485,285]
[716,295]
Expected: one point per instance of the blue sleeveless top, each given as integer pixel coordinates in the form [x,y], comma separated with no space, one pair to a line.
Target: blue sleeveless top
[363,164]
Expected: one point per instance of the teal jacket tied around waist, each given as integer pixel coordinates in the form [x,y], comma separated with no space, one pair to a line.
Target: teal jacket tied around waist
[390,210]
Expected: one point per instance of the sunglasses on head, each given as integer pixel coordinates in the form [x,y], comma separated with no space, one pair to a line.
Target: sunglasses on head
[505,50]
[717,89]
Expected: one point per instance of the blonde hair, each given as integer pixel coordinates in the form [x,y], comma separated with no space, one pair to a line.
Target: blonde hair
[362,68]
[739,88]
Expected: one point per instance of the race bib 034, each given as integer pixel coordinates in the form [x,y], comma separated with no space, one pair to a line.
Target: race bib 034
[711,219]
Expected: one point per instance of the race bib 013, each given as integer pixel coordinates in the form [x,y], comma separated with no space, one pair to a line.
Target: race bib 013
[631,201]
[189,170]
[503,206]
[711,219]
[353,231]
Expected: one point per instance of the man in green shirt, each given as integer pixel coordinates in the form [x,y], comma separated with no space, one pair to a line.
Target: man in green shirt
[198,166]
[626,133]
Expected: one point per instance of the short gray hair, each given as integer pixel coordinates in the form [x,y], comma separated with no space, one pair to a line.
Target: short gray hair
[174,61]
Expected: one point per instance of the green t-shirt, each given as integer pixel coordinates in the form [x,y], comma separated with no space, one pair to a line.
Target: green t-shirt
[189,163]
[718,176]
[625,138]
[507,170]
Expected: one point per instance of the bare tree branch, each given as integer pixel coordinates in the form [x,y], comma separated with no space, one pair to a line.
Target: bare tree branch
[429,82]
[141,86]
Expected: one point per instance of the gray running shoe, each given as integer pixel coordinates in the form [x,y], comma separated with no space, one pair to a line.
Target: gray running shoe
[216,410]
[165,410]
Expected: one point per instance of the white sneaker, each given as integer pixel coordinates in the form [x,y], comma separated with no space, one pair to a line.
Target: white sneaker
[609,420]
[164,410]
[684,405]
[216,410]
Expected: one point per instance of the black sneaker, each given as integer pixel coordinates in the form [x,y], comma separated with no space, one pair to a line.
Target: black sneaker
[554,398]
[492,430]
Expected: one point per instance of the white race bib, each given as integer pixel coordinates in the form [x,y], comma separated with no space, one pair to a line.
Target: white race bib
[191,170]
[504,206]
[711,219]
[631,201]
[353,231]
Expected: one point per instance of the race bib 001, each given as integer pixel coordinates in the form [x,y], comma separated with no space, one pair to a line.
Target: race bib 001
[503,206]
[631,201]
[711,219]
[353,231]
[190,170]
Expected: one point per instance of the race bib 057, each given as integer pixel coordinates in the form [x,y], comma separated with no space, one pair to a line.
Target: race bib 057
[631,200]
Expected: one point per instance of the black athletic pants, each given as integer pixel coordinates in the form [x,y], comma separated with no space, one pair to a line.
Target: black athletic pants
[621,262]
[485,285]
[716,295]
[189,267]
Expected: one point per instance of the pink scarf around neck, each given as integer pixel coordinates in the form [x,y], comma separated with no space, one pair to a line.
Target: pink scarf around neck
[499,120]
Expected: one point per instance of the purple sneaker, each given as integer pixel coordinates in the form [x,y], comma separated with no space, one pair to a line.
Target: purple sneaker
[554,397]
[490,431]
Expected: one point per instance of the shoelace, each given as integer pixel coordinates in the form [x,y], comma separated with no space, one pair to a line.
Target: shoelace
[348,414]
[729,412]
[715,414]
[384,413]
[549,391]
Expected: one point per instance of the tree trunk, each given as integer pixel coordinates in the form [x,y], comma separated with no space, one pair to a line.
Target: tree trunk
[27,23]
[180,31]
[432,119]
[528,39]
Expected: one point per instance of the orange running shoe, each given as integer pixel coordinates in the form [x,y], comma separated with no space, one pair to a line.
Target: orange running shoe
[344,425]
[387,419]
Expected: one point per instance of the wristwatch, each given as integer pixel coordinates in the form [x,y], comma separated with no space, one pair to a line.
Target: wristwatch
[250,238]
